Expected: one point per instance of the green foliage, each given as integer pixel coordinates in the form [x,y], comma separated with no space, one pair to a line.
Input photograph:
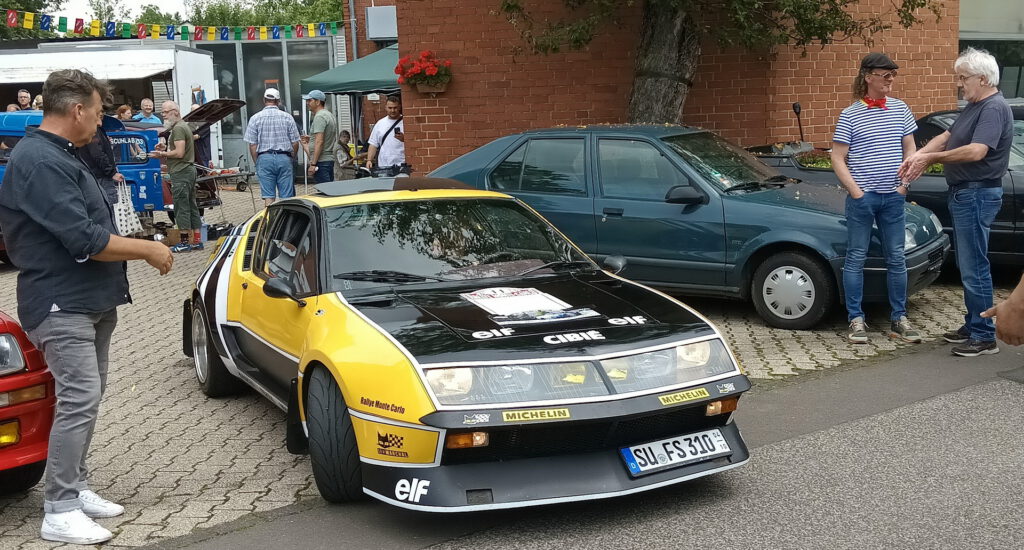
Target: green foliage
[108,10]
[152,15]
[263,12]
[753,24]
[35,6]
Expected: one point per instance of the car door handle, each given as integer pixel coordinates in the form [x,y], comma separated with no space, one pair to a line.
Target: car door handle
[612,211]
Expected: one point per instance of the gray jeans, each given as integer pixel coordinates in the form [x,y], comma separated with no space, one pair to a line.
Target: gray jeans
[75,346]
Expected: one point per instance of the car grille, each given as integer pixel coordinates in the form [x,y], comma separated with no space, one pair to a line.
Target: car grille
[579,437]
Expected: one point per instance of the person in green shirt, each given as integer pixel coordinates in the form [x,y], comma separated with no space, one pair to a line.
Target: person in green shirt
[323,138]
[180,156]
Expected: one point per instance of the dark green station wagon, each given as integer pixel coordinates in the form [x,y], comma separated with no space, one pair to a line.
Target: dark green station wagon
[695,213]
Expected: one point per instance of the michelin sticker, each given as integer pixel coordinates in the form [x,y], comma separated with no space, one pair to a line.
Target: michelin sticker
[519,306]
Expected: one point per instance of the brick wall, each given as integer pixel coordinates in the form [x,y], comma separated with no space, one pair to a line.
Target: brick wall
[745,96]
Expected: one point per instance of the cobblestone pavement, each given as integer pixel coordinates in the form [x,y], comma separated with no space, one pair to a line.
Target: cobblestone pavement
[179,461]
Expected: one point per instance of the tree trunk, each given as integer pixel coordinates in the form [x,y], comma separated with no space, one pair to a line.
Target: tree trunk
[666,61]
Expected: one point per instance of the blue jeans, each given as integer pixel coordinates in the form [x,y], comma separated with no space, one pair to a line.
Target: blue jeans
[277,179]
[324,172]
[886,211]
[973,211]
[75,346]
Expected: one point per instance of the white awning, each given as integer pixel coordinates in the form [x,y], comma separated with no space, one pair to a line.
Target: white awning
[106,63]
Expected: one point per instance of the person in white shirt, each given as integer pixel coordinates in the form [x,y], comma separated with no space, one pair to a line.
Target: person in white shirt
[387,139]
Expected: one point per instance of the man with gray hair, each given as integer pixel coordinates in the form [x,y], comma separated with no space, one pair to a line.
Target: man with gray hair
[60,234]
[180,155]
[976,154]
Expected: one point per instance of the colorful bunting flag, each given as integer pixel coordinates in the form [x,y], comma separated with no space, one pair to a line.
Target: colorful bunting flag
[300,31]
[185,35]
[79,26]
[141,30]
[211,33]
[263,33]
[250,33]
[126,30]
[322,29]
[311,28]
[45,22]
[238,33]
[275,32]
[197,34]
[170,32]
[224,33]
[288,31]
[12,18]
[334,27]
[62,24]
[94,27]
[110,29]
[154,31]
[29,22]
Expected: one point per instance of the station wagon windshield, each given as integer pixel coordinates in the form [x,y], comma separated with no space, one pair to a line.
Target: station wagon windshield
[416,241]
[720,162]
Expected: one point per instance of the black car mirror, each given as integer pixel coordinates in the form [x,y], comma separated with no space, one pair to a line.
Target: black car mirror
[685,194]
[279,288]
[614,263]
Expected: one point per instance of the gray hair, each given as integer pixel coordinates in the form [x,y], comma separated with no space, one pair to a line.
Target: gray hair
[978,62]
[65,89]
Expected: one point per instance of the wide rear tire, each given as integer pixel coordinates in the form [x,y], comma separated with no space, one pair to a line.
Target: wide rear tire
[333,451]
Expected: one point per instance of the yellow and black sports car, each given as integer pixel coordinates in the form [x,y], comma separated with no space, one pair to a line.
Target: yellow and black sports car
[442,348]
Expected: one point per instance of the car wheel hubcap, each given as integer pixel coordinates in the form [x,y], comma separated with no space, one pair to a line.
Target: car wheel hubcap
[199,347]
[788,292]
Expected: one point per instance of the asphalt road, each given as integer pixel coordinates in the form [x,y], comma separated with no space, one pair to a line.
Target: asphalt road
[921,451]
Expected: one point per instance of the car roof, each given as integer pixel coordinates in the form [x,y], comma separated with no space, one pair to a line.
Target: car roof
[650,130]
[374,190]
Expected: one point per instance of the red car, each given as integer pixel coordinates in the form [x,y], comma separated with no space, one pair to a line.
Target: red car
[27,401]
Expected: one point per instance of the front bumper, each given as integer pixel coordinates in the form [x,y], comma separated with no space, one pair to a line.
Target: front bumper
[924,264]
[34,419]
[532,481]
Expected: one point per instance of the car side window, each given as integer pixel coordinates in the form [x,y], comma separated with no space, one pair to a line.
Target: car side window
[286,251]
[547,166]
[631,169]
[129,149]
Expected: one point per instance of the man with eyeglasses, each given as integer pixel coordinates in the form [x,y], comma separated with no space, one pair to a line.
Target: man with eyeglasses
[872,138]
[976,154]
[180,158]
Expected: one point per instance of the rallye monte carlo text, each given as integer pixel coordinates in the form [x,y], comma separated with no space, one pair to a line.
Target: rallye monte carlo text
[443,348]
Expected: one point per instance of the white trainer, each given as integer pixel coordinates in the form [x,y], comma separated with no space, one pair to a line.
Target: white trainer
[96,506]
[73,527]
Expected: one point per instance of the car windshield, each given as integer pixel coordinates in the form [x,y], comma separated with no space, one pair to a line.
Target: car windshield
[404,242]
[720,162]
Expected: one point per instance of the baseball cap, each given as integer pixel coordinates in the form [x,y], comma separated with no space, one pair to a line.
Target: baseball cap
[315,94]
[876,60]
[272,93]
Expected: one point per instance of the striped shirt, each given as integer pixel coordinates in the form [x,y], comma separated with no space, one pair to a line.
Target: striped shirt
[875,137]
[272,130]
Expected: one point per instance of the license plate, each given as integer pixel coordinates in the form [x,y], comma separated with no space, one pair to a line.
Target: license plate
[674,451]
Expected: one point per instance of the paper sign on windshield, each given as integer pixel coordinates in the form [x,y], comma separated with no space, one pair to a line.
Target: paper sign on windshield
[514,306]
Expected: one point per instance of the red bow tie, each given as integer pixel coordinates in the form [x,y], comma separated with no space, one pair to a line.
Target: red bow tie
[875,102]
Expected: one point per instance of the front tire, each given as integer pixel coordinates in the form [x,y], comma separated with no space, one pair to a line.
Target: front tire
[792,290]
[212,375]
[22,478]
[333,451]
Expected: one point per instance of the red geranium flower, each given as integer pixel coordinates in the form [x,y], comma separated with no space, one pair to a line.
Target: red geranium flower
[426,69]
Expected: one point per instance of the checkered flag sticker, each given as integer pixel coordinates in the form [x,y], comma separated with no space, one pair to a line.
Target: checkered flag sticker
[387,441]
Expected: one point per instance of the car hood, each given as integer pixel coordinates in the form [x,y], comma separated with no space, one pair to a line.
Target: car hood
[605,315]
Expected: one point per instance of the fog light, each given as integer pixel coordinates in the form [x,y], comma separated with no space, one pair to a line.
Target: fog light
[467,440]
[10,433]
[30,393]
[722,406]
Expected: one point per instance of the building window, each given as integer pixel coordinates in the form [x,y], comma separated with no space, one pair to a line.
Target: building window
[1009,55]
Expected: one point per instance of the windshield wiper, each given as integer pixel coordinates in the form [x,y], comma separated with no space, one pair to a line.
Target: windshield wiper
[556,263]
[745,186]
[384,276]
[773,181]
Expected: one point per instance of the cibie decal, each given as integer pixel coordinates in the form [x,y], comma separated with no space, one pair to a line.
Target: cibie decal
[519,306]
[634,320]
[478,418]
[573,337]
[683,396]
[726,388]
[535,414]
[411,490]
[388,443]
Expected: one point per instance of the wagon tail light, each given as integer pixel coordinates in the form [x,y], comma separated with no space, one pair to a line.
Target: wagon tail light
[467,440]
[722,406]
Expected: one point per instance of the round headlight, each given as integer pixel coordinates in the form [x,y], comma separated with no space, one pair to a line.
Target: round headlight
[445,382]
[694,355]
[510,379]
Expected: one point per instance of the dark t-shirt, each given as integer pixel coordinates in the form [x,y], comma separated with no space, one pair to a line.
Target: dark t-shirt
[989,122]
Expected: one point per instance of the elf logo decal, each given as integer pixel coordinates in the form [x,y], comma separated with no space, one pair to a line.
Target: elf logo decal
[535,414]
[635,320]
[387,443]
[411,490]
[493,333]
[573,337]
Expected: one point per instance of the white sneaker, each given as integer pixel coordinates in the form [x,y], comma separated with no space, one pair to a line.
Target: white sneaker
[96,506]
[73,527]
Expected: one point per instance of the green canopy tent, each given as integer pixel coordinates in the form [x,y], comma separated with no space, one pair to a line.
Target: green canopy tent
[374,73]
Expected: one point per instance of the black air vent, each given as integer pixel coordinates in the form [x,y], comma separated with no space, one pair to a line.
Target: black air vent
[247,253]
